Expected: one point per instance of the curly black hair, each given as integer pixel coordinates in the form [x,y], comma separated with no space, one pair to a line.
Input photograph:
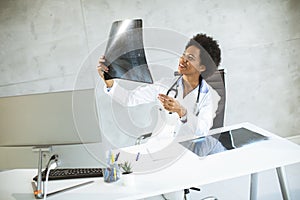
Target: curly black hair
[209,51]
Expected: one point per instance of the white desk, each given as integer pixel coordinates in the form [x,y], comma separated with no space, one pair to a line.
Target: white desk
[260,156]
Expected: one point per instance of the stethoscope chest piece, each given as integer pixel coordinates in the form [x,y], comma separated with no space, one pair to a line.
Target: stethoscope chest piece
[174,89]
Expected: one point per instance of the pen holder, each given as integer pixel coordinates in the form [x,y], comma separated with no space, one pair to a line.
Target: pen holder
[111,173]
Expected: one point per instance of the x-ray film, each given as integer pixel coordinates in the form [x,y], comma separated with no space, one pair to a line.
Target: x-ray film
[125,55]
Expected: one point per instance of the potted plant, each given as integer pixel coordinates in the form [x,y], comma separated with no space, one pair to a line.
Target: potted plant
[126,167]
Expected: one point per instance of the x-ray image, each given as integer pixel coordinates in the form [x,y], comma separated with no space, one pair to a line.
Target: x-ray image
[125,55]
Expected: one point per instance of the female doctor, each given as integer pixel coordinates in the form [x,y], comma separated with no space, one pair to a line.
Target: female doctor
[188,97]
[191,100]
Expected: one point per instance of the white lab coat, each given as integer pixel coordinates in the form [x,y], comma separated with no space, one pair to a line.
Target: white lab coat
[195,125]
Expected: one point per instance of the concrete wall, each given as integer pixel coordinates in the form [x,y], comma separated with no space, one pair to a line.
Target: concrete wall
[45,42]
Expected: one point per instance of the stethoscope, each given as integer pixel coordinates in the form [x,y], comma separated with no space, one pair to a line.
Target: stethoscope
[174,88]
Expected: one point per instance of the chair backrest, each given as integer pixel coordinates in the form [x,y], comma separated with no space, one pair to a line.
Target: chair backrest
[217,82]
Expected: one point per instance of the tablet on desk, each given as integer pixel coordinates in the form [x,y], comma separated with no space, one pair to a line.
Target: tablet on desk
[243,136]
[227,140]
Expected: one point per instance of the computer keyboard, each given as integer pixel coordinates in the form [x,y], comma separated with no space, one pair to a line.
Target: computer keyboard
[71,173]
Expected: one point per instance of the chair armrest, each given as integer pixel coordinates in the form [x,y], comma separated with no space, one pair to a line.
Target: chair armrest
[142,137]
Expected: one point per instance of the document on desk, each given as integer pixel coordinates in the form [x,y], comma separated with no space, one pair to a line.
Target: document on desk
[147,158]
[236,138]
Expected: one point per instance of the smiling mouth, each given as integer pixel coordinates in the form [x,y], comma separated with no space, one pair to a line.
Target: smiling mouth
[181,66]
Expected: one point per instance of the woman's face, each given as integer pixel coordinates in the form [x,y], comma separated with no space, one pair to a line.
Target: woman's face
[189,62]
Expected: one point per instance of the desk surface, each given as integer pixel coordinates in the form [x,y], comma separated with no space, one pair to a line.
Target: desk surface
[260,156]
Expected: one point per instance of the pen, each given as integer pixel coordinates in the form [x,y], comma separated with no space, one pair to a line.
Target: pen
[112,158]
[137,156]
[115,174]
[117,156]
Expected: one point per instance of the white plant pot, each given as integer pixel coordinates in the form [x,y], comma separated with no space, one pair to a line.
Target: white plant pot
[128,179]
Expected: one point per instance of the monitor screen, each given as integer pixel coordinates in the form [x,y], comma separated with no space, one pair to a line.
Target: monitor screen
[66,122]
[68,117]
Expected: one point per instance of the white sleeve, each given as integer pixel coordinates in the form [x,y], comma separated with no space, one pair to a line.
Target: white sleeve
[140,95]
[207,112]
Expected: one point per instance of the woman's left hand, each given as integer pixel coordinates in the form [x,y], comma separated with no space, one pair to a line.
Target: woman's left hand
[171,105]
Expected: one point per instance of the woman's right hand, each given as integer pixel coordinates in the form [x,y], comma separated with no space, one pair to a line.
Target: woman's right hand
[102,68]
